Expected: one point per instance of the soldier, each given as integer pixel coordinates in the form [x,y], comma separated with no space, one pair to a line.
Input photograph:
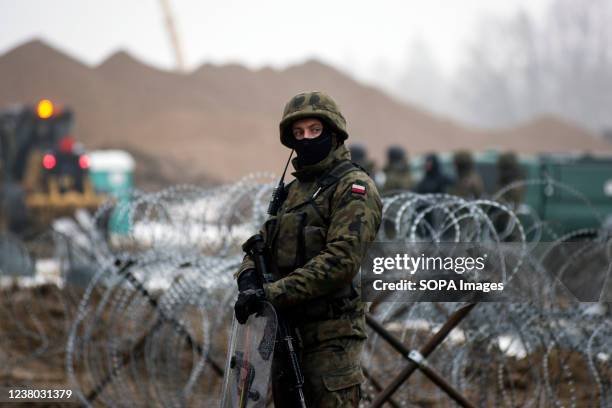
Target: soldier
[315,244]
[397,170]
[434,180]
[509,171]
[469,184]
[359,156]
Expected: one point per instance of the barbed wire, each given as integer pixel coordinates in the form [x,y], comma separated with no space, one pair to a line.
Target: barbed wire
[141,301]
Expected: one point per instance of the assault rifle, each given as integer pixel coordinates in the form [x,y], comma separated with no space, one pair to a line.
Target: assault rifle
[254,247]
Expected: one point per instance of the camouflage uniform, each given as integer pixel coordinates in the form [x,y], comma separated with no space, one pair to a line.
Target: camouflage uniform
[397,171]
[469,183]
[315,244]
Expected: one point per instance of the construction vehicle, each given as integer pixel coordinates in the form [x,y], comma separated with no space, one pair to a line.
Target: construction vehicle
[43,171]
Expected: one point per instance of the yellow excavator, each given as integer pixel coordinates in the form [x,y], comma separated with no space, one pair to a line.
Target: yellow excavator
[43,170]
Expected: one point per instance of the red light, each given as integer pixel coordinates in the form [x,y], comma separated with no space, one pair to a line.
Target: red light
[66,144]
[49,161]
[84,161]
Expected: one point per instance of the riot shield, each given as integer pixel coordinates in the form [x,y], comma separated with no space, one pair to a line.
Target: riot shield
[249,360]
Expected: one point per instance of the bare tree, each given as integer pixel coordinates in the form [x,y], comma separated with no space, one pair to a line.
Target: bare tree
[421,82]
[418,80]
[521,68]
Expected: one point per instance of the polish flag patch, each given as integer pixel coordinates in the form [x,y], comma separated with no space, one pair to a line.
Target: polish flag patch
[358,189]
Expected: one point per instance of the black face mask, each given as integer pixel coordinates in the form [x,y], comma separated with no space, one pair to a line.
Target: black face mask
[311,151]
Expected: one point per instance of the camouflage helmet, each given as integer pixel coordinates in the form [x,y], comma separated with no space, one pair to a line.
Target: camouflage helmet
[311,105]
[358,152]
[507,159]
[464,162]
[508,167]
[396,154]
[463,158]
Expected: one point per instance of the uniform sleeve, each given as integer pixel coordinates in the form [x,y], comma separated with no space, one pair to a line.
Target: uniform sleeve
[247,263]
[355,219]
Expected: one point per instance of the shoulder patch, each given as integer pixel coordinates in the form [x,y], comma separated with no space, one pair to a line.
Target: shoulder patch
[358,188]
[357,185]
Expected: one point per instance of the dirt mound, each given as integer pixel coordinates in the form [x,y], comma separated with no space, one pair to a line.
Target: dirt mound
[551,134]
[220,122]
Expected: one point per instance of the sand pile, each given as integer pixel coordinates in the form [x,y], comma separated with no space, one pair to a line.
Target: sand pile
[220,122]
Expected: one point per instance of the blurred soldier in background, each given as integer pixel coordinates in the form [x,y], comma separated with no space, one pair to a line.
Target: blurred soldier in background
[434,179]
[359,156]
[469,184]
[509,171]
[397,170]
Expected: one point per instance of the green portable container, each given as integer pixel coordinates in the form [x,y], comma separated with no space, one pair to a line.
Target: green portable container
[585,198]
[112,173]
[579,194]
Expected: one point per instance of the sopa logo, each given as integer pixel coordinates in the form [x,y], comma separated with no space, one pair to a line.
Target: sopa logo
[437,284]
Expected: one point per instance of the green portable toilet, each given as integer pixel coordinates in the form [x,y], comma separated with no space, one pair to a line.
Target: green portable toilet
[587,201]
[112,173]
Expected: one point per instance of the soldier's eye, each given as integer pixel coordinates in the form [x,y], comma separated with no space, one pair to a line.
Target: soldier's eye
[298,132]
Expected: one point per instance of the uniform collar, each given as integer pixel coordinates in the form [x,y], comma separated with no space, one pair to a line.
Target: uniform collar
[311,172]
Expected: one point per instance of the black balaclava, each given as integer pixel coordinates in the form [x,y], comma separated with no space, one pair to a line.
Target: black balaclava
[312,151]
[434,165]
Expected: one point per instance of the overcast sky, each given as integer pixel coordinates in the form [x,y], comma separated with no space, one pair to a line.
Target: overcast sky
[357,36]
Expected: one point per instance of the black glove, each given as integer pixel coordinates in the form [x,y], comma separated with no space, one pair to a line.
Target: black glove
[249,302]
[249,280]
